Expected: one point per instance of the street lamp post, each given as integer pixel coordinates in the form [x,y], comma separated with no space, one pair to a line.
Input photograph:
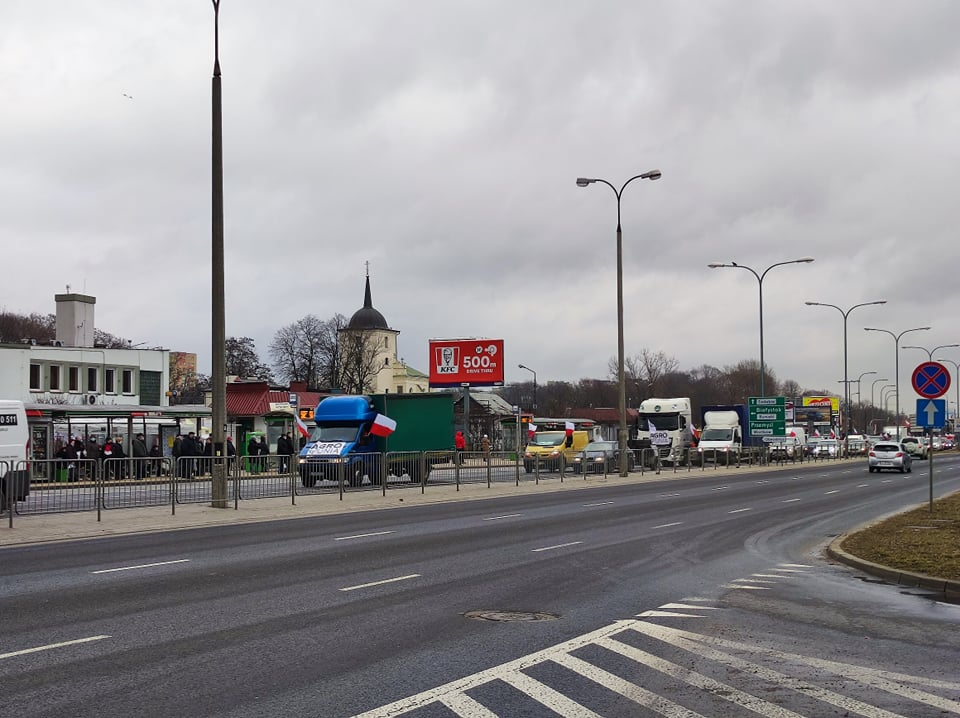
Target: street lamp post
[874,386]
[957,382]
[760,277]
[621,382]
[859,398]
[846,383]
[896,376]
[521,366]
[218,470]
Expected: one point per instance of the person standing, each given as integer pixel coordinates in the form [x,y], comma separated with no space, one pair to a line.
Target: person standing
[263,451]
[177,452]
[139,450]
[485,448]
[460,442]
[284,452]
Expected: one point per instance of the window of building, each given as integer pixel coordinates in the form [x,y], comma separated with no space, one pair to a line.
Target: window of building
[110,381]
[386,342]
[126,381]
[73,379]
[399,388]
[386,361]
[36,376]
[55,379]
[93,376]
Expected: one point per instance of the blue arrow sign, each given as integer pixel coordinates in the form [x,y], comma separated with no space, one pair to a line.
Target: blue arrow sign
[932,413]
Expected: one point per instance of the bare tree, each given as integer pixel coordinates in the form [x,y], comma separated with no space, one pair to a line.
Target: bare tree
[308,351]
[360,362]
[643,374]
[241,359]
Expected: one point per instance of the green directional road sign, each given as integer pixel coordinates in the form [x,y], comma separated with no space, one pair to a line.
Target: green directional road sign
[768,416]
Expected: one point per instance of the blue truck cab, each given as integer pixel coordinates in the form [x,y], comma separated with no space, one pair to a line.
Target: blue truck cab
[341,443]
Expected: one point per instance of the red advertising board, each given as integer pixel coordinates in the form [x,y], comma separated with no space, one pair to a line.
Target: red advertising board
[475,362]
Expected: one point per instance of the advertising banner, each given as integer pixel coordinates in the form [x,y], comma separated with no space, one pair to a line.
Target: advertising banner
[472,362]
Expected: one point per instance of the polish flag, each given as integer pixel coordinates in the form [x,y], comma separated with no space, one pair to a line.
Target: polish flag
[816,433]
[568,427]
[302,428]
[383,426]
[531,430]
[833,434]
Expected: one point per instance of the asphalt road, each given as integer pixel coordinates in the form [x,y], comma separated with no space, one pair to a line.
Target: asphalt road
[697,595]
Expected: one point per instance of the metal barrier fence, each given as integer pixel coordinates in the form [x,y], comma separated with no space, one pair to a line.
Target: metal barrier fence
[61,485]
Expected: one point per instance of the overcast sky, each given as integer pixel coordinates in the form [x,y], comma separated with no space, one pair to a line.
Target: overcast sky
[440,140]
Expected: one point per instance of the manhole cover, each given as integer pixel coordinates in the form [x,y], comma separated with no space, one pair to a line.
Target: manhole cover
[511,615]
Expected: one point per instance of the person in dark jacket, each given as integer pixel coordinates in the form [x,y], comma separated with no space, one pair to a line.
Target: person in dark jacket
[139,450]
[284,452]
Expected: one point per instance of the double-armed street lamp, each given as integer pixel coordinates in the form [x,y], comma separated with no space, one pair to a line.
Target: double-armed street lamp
[846,382]
[621,382]
[896,354]
[858,380]
[930,352]
[760,277]
[521,366]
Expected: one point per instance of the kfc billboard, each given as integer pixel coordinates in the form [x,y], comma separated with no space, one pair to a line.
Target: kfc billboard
[475,362]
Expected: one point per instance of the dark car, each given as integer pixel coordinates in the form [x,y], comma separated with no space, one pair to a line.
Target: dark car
[600,457]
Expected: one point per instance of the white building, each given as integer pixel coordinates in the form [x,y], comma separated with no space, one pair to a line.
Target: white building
[71,370]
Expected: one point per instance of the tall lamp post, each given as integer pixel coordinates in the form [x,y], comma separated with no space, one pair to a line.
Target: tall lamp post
[218,472]
[957,382]
[873,386]
[859,398]
[760,277]
[521,366]
[896,376]
[621,382]
[846,382]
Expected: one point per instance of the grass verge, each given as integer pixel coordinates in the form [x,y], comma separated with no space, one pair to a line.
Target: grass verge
[917,541]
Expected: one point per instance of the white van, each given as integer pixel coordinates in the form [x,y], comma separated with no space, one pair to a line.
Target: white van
[14,452]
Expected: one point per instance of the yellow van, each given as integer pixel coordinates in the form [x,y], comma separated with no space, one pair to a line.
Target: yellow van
[552,449]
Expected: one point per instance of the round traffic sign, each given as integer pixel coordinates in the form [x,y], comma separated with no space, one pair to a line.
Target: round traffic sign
[931,380]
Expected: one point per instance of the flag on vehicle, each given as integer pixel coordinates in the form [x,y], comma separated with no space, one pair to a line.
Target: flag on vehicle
[816,433]
[833,434]
[568,427]
[650,426]
[302,428]
[383,426]
[531,430]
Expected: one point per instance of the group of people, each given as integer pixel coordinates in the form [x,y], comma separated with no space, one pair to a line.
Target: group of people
[460,443]
[79,459]
[193,455]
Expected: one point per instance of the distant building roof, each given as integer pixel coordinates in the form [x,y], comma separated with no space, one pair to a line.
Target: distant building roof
[604,414]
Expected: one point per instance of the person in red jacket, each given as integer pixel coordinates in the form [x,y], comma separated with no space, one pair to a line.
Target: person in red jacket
[461,445]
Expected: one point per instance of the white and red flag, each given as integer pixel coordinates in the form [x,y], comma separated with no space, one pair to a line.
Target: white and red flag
[816,433]
[302,428]
[383,426]
[568,427]
[531,430]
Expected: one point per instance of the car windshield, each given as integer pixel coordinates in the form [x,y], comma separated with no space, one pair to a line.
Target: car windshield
[548,438]
[715,434]
[335,432]
[600,446]
[661,422]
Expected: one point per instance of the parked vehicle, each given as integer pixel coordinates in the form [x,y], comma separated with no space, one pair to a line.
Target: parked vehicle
[915,445]
[14,453]
[554,450]
[889,455]
[601,457]
[672,420]
[789,447]
[725,432]
[345,441]
[827,449]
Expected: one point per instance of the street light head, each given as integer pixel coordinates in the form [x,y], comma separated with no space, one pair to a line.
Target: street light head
[812,304]
[651,175]
[805,260]
[583,181]
[718,265]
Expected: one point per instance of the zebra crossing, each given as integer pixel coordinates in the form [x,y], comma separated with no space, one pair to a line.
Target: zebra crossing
[601,674]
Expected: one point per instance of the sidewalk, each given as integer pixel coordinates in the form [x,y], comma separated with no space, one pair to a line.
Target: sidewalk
[46,528]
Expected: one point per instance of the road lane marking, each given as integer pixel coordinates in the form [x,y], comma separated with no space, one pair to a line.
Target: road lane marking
[835,491]
[464,705]
[687,605]
[552,699]
[753,580]
[789,501]
[745,587]
[666,526]
[739,511]
[357,536]
[599,503]
[505,516]
[51,646]
[380,583]
[795,565]
[860,486]
[887,481]
[667,496]
[142,565]
[787,570]
[720,488]
[559,545]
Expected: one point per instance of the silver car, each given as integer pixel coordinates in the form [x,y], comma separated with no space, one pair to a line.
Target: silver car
[889,455]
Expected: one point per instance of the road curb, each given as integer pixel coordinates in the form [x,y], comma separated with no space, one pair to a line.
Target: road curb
[946,587]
